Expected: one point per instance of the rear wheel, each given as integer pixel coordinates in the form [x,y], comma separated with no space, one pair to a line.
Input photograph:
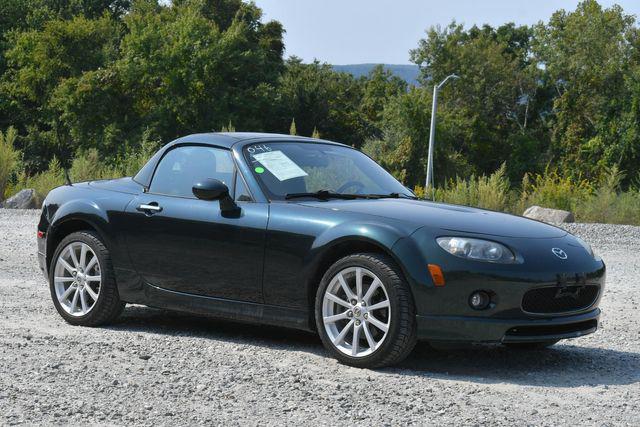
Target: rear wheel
[82,283]
[531,345]
[365,312]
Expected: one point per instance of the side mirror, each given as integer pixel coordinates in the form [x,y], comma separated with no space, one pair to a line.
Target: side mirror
[210,189]
[214,189]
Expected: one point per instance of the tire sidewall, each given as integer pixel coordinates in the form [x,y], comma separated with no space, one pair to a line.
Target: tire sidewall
[390,282]
[82,237]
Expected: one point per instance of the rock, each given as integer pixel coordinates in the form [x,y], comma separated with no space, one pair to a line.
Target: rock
[548,215]
[25,199]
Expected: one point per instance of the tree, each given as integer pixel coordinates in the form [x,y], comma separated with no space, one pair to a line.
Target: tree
[590,57]
[318,97]
[159,71]
[378,88]
[40,62]
[487,117]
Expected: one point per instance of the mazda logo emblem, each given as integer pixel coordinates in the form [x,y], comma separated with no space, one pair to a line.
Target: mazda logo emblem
[559,253]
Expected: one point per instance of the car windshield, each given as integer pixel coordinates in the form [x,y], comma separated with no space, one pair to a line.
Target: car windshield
[287,170]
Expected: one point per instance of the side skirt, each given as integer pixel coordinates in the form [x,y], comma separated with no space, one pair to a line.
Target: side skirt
[227,309]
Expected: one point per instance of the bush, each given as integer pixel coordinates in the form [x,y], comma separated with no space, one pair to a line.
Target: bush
[608,205]
[9,158]
[44,182]
[551,190]
[492,192]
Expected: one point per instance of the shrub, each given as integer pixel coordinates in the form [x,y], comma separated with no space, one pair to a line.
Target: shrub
[87,166]
[488,192]
[9,158]
[551,190]
[44,182]
[607,204]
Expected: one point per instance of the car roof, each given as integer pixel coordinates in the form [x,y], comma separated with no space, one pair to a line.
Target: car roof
[229,139]
[219,139]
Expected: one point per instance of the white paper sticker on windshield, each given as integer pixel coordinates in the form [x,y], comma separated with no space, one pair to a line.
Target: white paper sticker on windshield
[281,166]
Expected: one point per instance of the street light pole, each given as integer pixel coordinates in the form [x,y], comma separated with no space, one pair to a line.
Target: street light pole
[432,132]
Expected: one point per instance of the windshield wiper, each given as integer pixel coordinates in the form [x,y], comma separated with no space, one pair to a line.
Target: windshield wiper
[326,194]
[321,194]
[388,196]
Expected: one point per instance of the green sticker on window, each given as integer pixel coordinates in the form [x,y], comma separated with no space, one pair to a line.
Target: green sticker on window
[259,169]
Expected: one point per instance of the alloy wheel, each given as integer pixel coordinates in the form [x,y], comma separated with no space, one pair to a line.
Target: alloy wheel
[356,312]
[77,278]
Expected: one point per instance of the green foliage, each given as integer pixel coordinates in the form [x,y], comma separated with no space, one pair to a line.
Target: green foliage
[100,84]
[607,205]
[488,192]
[551,190]
[228,128]
[321,98]
[591,59]
[380,86]
[42,182]
[9,158]
[605,202]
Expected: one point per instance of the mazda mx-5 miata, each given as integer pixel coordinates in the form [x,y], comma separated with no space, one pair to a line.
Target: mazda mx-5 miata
[314,235]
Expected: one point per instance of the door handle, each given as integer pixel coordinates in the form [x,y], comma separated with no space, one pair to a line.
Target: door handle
[150,208]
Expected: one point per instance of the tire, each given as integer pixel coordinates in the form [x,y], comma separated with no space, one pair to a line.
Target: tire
[394,310]
[531,345]
[97,301]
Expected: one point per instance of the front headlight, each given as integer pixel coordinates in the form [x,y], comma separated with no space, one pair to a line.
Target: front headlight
[477,249]
[587,247]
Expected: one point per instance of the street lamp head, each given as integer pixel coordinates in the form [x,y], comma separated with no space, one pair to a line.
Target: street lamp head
[450,76]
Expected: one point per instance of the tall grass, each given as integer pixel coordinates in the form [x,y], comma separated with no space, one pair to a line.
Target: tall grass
[86,166]
[553,191]
[603,201]
[488,192]
[9,158]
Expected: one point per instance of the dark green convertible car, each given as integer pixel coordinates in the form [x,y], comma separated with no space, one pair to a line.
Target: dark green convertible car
[311,234]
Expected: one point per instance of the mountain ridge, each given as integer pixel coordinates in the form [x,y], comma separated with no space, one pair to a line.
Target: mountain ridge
[407,72]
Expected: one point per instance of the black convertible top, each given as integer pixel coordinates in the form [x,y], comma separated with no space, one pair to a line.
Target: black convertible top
[218,139]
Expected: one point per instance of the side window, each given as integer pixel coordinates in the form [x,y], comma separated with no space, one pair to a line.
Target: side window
[182,167]
[242,193]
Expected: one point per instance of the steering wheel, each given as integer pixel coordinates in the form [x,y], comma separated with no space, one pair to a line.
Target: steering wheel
[357,185]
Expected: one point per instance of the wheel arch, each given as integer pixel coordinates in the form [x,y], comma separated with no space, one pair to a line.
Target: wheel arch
[63,227]
[337,249]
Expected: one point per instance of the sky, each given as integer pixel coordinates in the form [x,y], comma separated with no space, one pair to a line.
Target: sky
[383,31]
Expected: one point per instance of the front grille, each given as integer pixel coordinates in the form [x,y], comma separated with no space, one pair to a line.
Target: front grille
[559,299]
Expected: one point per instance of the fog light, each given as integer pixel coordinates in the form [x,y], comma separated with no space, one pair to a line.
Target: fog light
[479,300]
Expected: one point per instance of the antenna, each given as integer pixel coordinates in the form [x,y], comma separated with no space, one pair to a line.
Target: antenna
[66,176]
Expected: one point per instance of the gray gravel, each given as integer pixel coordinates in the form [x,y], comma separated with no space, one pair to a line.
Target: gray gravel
[155,367]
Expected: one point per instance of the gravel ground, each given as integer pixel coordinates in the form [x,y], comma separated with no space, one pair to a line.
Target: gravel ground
[154,367]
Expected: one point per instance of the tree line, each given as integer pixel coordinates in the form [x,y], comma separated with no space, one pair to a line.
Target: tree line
[116,76]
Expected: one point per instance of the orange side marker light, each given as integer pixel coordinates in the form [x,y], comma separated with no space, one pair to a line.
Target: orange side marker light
[436,274]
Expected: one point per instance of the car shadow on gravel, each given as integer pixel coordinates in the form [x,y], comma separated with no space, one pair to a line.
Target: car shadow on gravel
[155,321]
[564,365]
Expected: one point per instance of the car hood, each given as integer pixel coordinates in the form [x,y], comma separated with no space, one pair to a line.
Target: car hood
[446,217]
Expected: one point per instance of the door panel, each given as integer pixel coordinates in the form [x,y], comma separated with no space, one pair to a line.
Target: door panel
[188,246]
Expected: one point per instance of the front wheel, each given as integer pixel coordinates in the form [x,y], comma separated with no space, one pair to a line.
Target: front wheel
[365,312]
[82,283]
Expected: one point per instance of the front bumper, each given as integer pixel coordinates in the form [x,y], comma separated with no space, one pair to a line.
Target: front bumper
[484,329]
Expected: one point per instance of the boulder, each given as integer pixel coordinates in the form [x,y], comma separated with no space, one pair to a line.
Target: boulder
[24,199]
[548,215]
